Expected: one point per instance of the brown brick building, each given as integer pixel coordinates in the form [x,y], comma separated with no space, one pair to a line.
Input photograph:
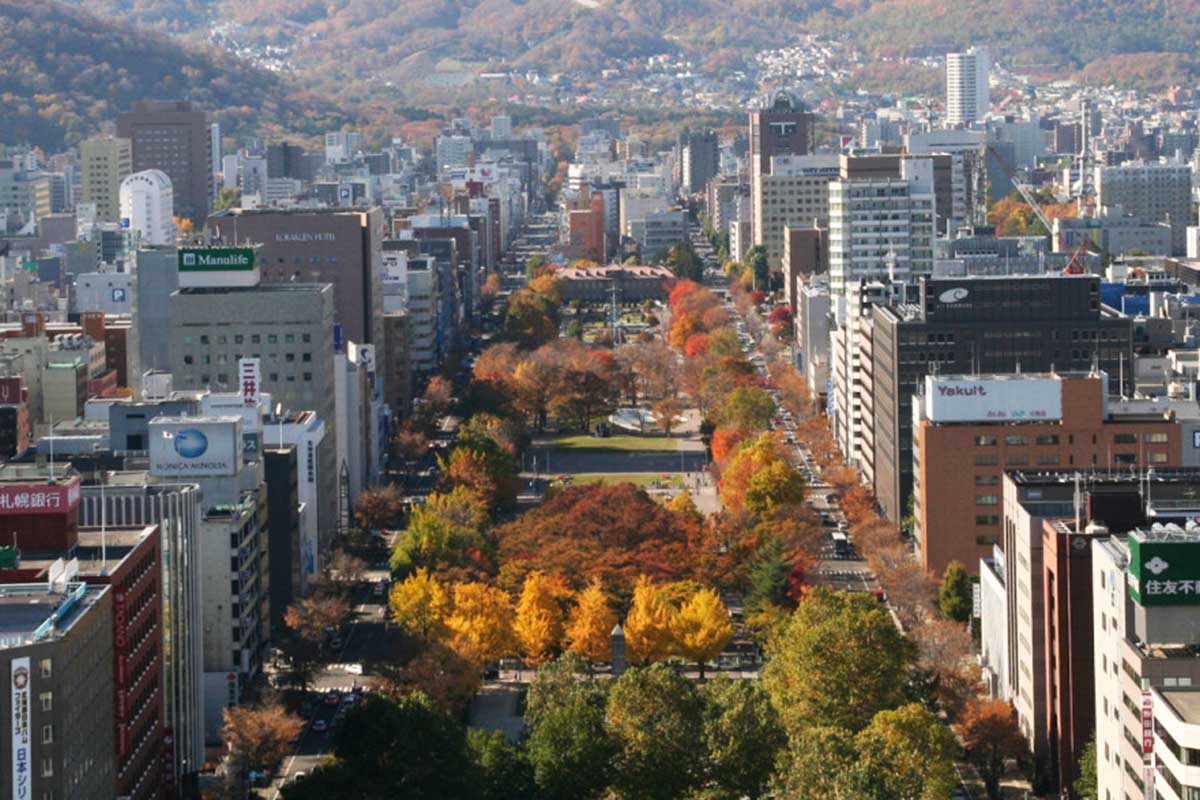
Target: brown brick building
[968,430]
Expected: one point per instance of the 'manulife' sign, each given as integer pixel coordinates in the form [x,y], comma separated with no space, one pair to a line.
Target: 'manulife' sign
[1015,399]
[206,267]
[1163,573]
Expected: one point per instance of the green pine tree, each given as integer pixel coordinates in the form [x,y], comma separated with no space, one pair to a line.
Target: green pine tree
[768,580]
[955,597]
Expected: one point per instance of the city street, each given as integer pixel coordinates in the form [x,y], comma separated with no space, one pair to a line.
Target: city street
[366,642]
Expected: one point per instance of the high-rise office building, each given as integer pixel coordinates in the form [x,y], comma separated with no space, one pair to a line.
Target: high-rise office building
[57,654]
[147,207]
[794,193]
[967,96]
[977,325]
[176,138]
[969,428]
[882,227]
[104,163]
[1151,192]
[288,327]
[130,500]
[699,159]
[782,127]
[342,247]
[1145,589]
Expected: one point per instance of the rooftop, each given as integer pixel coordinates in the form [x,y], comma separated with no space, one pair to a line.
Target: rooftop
[1168,532]
[32,612]
[1063,476]
[1185,703]
[273,288]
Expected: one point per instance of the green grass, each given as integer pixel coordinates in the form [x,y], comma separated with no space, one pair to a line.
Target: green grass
[646,480]
[628,443]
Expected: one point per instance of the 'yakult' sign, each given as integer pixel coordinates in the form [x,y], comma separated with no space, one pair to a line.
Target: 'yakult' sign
[1006,399]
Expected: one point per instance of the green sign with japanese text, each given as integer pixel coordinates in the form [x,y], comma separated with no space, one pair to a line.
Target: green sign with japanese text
[1164,573]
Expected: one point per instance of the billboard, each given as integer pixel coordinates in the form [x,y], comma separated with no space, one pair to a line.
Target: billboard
[22,769]
[216,259]
[39,498]
[209,267]
[248,368]
[1013,399]
[195,446]
[1163,573]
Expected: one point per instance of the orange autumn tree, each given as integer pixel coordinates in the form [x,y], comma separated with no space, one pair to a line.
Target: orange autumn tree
[738,484]
[539,621]
[701,628]
[725,442]
[592,622]
[481,623]
[648,634]
[683,327]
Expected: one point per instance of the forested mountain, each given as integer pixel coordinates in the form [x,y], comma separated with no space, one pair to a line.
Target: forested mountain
[64,72]
[1151,40]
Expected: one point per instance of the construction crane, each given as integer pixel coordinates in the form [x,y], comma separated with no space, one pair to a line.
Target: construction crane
[1023,190]
[1077,265]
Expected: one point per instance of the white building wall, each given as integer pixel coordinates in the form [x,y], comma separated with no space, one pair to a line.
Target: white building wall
[148,207]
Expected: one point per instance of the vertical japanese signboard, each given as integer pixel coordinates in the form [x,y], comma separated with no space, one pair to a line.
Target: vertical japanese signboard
[22,783]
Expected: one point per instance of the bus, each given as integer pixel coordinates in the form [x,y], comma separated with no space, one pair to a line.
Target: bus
[841,543]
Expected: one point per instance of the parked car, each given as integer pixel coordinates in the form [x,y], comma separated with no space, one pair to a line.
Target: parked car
[320,726]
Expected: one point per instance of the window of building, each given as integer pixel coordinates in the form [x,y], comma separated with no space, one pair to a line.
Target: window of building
[255,338]
[289,338]
[987,519]
[987,461]
[47,667]
[47,699]
[1155,438]
[987,480]
[306,337]
[187,359]
[1016,440]
[1125,458]
[985,441]
[1049,438]
[47,767]
[272,339]
[1046,461]
[204,339]
[985,541]
[987,500]
[308,376]
[306,357]
[239,339]
[1158,458]
[1125,438]
[47,734]
[1016,461]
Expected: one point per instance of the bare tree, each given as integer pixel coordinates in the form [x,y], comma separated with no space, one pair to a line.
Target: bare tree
[257,738]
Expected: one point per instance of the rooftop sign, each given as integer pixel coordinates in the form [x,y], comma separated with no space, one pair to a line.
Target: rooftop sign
[1012,399]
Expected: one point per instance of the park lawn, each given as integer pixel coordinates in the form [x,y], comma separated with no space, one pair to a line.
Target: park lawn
[629,443]
[646,480]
